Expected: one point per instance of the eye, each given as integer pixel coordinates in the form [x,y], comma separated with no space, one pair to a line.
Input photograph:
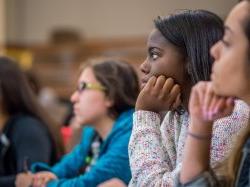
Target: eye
[155,56]
[225,42]
[81,86]
[154,53]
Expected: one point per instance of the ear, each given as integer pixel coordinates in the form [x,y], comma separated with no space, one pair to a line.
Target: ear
[109,102]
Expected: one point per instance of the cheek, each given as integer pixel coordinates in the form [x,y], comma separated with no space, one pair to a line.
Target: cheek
[91,108]
[227,76]
[222,78]
[168,69]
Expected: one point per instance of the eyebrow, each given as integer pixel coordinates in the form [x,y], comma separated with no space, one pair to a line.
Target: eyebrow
[151,48]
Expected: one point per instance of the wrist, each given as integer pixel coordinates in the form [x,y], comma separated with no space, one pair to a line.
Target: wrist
[201,127]
[204,137]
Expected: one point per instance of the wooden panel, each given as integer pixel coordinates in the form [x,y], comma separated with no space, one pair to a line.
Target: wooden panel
[56,66]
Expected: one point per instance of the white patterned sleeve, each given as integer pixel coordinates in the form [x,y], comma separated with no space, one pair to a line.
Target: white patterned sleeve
[149,162]
[225,130]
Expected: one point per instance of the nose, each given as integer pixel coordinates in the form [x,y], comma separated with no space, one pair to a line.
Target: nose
[145,67]
[215,50]
[74,97]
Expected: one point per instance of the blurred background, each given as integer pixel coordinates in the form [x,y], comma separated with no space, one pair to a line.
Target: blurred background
[50,38]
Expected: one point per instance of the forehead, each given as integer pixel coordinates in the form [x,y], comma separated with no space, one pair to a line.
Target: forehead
[156,39]
[87,75]
[237,15]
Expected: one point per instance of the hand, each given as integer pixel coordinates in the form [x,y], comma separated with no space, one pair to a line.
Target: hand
[205,106]
[159,94]
[113,183]
[41,178]
[24,179]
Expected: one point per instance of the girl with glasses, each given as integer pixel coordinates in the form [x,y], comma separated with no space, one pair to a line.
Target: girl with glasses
[103,103]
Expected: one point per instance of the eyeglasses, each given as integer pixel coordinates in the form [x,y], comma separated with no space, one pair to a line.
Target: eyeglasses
[92,86]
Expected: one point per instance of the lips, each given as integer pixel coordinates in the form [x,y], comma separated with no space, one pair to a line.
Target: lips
[212,75]
[143,82]
[75,110]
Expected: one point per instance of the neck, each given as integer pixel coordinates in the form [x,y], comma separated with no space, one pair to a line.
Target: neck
[3,120]
[104,126]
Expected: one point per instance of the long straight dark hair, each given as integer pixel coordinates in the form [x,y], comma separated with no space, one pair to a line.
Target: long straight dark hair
[193,33]
[16,97]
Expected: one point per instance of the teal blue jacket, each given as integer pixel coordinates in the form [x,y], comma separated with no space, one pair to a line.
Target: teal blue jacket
[113,161]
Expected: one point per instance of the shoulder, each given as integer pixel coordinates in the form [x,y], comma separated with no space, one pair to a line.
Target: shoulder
[225,131]
[239,116]
[87,133]
[241,109]
[122,127]
[25,125]
[175,119]
[27,122]
[124,120]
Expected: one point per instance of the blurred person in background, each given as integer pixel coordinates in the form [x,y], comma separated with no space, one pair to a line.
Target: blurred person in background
[104,104]
[48,98]
[27,135]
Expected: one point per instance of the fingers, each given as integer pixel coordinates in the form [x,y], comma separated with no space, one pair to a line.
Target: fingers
[229,103]
[38,181]
[198,93]
[160,83]
[218,104]
[47,180]
[215,106]
[41,179]
[212,103]
[175,91]
[171,93]
[24,179]
[177,102]
[208,97]
[162,88]
[159,94]
[168,85]
[205,105]
[150,84]
[196,101]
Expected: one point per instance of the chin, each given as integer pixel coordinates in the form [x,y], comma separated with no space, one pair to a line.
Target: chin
[217,88]
[222,91]
[79,120]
